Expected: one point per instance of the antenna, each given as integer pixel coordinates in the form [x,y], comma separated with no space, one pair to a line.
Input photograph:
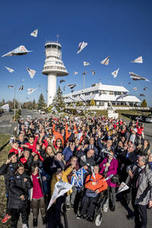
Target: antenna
[57,37]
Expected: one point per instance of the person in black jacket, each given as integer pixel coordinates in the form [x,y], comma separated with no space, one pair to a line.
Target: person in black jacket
[128,159]
[92,146]
[8,170]
[130,155]
[52,163]
[87,160]
[18,197]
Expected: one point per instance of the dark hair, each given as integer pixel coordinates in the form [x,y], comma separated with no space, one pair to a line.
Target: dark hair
[15,141]
[20,165]
[147,143]
[27,149]
[58,153]
[31,136]
[144,159]
[11,154]
[59,170]
[33,168]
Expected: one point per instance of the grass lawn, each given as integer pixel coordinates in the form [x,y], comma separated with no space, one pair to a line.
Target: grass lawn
[3,157]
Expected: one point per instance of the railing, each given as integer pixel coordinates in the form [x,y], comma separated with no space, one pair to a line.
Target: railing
[54,68]
[95,108]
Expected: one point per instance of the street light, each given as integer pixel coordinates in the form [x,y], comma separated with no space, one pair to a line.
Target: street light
[12,86]
[84,73]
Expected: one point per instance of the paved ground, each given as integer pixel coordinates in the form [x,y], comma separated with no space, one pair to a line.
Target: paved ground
[115,219]
[7,125]
[148,132]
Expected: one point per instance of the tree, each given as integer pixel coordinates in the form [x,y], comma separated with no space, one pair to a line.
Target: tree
[58,101]
[144,103]
[92,102]
[28,105]
[34,104]
[49,109]
[10,104]
[41,102]
[2,102]
[17,114]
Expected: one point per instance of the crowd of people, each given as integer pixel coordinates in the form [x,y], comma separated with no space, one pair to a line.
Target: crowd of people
[93,154]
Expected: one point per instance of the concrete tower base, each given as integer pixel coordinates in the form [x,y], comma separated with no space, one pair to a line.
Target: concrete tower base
[51,88]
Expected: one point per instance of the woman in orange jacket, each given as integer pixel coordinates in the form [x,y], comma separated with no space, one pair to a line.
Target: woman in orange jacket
[57,135]
[94,184]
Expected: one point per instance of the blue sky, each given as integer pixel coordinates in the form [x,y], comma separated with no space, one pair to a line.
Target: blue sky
[117,28]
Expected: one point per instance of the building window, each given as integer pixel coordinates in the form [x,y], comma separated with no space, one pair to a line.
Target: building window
[94,92]
[117,93]
[53,46]
[104,92]
[87,94]
[111,93]
[54,67]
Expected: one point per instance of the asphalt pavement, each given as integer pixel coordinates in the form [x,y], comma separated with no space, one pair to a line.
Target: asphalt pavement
[116,219]
[148,132]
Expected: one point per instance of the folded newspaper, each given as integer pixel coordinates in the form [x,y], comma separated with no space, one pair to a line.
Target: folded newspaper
[123,187]
[60,189]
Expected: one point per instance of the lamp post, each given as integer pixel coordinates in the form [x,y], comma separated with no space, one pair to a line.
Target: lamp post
[84,73]
[12,86]
[14,102]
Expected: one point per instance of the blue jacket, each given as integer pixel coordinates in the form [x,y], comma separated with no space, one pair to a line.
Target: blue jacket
[68,153]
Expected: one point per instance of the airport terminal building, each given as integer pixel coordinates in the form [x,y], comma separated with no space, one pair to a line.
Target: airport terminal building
[103,95]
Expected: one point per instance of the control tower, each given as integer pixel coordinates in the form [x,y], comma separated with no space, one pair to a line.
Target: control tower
[53,67]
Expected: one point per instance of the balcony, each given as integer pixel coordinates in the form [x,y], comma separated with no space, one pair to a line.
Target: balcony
[57,70]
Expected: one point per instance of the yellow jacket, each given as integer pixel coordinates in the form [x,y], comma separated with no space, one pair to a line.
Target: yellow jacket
[64,179]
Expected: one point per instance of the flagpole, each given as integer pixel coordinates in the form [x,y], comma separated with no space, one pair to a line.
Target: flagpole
[83,81]
[14,102]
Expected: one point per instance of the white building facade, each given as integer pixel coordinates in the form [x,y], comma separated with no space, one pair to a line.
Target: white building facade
[103,95]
